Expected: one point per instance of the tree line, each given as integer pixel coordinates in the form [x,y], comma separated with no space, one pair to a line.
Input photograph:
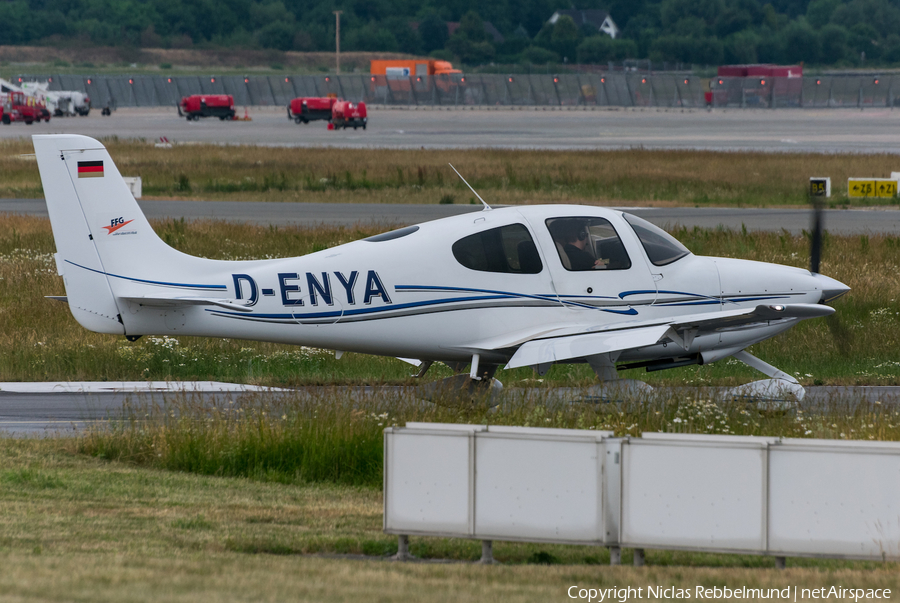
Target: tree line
[840,33]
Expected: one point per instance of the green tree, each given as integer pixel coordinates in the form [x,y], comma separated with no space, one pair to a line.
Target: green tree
[833,44]
[408,39]
[733,20]
[433,31]
[742,48]
[673,10]
[565,37]
[864,39]
[278,35]
[371,38]
[686,49]
[472,27]
[881,15]
[819,12]
[602,49]
[799,43]
[537,55]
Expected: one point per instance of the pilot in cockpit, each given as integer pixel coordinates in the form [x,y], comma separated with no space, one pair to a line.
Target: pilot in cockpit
[575,240]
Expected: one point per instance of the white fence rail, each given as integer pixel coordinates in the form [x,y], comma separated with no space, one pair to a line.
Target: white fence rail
[732,494]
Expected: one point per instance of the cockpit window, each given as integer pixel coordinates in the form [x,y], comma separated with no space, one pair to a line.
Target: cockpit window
[588,244]
[661,247]
[505,249]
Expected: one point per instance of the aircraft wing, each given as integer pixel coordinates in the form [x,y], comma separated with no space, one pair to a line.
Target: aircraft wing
[174,302]
[565,345]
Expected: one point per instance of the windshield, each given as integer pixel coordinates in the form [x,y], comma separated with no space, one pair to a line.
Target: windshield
[661,247]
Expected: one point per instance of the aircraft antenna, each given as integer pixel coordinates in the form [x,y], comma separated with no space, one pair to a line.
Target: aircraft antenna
[486,206]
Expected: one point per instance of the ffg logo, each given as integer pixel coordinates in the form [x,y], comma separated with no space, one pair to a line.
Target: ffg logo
[115,224]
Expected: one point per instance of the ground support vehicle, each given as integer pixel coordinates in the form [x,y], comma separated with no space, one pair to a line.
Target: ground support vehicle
[18,107]
[207,105]
[306,109]
[345,114]
[60,103]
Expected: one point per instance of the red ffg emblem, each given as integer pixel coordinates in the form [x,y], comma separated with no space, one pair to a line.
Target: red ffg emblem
[115,224]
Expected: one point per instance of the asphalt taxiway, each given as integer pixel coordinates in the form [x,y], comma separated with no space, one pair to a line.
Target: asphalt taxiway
[563,128]
[845,222]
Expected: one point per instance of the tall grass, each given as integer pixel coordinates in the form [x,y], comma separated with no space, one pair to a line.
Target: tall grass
[698,178]
[335,435]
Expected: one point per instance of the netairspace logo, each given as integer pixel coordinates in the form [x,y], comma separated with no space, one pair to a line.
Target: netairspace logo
[790,593]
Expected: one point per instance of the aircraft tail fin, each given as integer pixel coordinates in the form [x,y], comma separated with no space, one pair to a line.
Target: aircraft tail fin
[101,233]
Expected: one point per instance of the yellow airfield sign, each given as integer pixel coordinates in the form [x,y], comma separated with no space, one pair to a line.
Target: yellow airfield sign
[871,187]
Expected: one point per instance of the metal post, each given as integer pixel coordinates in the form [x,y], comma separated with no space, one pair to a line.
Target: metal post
[615,555]
[638,557]
[337,40]
[487,552]
[402,548]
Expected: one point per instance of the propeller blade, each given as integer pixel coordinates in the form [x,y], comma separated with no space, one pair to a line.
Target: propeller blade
[843,337]
[815,245]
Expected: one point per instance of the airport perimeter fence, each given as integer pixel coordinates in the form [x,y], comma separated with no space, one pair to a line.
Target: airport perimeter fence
[489,90]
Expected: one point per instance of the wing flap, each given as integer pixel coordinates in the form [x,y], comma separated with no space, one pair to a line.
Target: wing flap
[542,351]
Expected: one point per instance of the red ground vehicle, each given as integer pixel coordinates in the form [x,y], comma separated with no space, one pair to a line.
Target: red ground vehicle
[18,107]
[306,109]
[207,105]
[345,114]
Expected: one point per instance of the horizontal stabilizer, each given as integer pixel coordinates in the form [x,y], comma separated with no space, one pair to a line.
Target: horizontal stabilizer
[174,302]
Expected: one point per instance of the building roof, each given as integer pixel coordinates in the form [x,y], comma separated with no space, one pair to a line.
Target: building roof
[591,17]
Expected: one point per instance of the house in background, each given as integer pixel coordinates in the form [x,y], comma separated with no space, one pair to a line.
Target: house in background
[594,18]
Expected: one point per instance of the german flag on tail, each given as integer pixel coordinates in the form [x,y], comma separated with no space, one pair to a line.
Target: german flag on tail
[90,169]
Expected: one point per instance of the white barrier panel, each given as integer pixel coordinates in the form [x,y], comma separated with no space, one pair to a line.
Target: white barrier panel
[694,492]
[834,498]
[736,494]
[428,479]
[134,185]
[501,483]
[539,485]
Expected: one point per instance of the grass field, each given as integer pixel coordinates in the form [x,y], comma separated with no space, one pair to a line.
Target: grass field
[692,178]
[74,528]
[223,504]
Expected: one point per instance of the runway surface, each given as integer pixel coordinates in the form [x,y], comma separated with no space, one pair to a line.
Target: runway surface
[768,130]
[845,222]
[38,410]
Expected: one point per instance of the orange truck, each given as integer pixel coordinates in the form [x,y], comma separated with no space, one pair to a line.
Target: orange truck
[403,79]
[409,68]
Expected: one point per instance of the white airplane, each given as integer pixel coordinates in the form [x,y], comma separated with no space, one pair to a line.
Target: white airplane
[514,286]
